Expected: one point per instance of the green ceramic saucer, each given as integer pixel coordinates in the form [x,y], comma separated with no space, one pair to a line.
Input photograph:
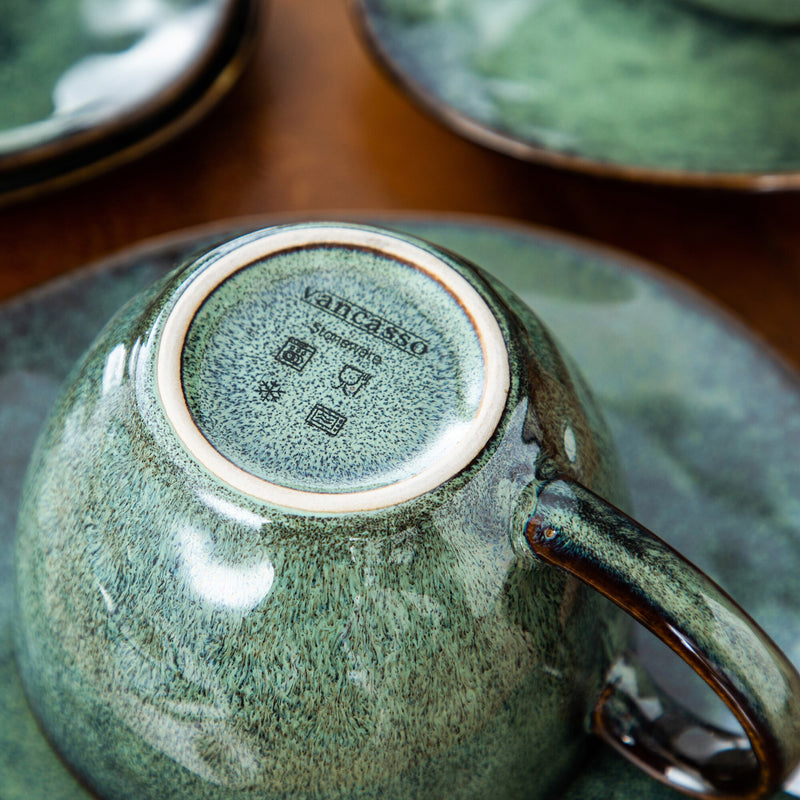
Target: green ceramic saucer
[707,421]
[652,90]
[85,84]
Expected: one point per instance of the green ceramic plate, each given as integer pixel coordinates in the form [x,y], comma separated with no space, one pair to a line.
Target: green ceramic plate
[707,421]
[650,90]
[87,83]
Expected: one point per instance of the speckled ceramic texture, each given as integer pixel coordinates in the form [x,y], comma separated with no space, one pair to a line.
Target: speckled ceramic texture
[178,639]
[698,406]
[575,530]
[357,378]
[77,85]
[642,89]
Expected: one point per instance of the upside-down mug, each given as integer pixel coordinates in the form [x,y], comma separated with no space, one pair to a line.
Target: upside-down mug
[319,516]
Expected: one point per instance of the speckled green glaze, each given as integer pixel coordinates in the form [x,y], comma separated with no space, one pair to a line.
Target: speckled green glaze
[653,86]
[177,639]
[353,338]
[43,40]
[77,82]
[572,528]
[676,410]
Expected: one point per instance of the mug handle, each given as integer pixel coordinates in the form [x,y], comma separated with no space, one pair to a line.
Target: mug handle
[574,529]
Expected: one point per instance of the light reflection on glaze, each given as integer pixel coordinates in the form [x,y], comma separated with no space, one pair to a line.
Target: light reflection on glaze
[109,600]
[240,587]
[114,369]
[124,17]
[161,41]
[570,444]
[232,511]
[102,84]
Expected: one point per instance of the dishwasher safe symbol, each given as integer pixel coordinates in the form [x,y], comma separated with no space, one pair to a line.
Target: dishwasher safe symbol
[295,353]
[352,380]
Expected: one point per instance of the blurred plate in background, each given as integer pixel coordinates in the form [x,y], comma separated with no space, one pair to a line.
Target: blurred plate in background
[646,90]
[85,84]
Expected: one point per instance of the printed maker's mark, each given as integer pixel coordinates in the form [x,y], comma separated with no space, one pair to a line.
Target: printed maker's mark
[364,320]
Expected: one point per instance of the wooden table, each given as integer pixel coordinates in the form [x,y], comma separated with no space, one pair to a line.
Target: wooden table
[315,126]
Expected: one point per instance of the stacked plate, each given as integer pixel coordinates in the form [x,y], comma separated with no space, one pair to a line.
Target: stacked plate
[84,85]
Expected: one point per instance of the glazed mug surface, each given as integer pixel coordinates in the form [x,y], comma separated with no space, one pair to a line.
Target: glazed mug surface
[306,523]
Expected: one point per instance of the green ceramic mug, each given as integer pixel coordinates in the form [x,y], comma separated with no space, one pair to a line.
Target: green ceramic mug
[773,12]
[290,533]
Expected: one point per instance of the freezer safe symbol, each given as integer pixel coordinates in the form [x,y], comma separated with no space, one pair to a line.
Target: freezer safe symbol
[270,391]
[295,353]
[326,419]
[352,380]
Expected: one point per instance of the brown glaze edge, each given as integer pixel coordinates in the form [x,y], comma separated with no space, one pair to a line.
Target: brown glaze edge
[542,541]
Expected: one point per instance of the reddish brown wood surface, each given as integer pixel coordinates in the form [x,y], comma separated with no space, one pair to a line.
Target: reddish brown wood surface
[315,126]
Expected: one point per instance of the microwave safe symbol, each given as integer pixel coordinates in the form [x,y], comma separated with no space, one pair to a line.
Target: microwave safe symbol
[352,380]
[326,419]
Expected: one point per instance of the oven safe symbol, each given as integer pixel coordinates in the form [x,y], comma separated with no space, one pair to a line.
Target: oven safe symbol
[352,380]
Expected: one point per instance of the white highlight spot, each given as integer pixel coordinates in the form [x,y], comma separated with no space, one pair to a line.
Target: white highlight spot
[236,587]
[114,369]
[684,779]
[113,81]
[233,512]
[570,443]
[109,600]
[123,17]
